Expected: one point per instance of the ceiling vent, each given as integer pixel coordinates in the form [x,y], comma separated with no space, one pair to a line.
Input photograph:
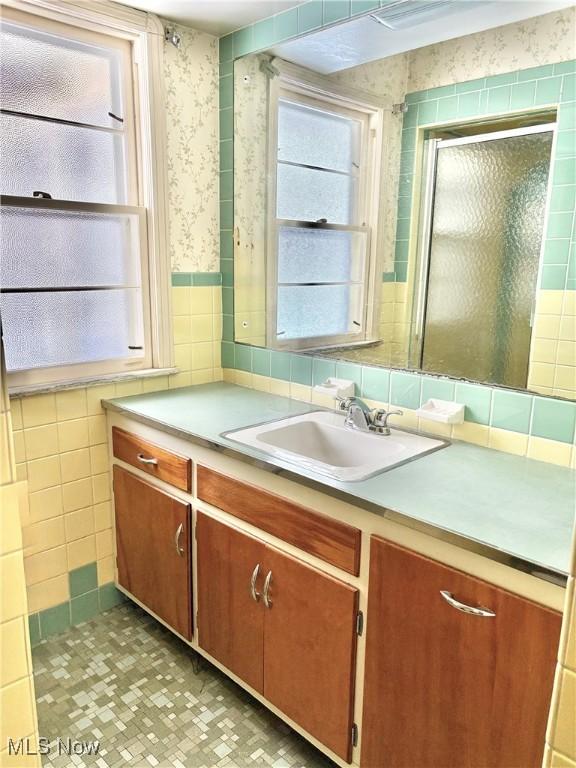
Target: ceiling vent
[404,14]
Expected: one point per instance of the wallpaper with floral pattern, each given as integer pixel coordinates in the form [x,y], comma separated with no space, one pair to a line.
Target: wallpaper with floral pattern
[191,83]
[541,40]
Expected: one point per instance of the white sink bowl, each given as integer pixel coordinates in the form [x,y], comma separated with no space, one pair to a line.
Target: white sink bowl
[320,443]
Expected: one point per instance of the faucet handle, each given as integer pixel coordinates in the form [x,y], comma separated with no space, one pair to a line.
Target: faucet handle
[380,419]
[377,415]
[387,415]
[343,403]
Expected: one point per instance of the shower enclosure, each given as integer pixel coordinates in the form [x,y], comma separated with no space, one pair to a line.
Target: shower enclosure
[482,217]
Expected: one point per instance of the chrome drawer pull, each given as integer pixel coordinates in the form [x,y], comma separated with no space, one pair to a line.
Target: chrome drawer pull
[177,535]
[255,595]
[265,596]
[145,460]
[465,608]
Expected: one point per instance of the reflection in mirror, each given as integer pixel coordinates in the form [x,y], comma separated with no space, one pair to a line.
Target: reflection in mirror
[362,236]
[305,258]
[484,212]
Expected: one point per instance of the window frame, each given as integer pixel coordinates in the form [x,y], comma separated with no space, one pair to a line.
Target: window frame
[139,37]
[306,88]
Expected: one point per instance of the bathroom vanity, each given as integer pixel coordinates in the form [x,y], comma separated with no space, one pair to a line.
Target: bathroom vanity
[411,618]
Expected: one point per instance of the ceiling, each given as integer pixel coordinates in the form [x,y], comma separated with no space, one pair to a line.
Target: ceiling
[215,16]
[362,40]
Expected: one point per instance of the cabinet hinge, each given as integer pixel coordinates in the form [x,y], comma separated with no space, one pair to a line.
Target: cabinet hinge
[359,623]
[354,735]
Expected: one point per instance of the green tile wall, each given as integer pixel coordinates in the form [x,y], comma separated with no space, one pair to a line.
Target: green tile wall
[477,401]
[491,406]
[511,411]
[405,389]
[196,278]
[87,600]
[301,369]
[322,370]
[375,384]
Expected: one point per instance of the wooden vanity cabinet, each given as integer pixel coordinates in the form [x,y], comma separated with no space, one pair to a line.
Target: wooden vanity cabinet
[153,549]
[448,688]
[230,623]
[294,640]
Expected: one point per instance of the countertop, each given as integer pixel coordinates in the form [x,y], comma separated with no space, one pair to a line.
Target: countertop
[507,504]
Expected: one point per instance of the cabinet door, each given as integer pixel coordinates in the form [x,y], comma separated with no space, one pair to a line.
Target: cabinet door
[153,549]
[449,688]
[230,620]
[310,649]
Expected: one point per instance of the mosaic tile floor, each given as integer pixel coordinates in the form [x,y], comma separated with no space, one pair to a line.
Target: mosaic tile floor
[125,681]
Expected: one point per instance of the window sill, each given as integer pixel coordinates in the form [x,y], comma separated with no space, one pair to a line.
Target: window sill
[41,389]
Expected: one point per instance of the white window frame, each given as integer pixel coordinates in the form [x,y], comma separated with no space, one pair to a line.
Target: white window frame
[309,89]
[142,36]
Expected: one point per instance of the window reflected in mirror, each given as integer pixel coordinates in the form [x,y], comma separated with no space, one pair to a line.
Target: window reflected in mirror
[361,236]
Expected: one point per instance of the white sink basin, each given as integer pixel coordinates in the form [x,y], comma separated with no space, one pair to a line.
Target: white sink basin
[320,442]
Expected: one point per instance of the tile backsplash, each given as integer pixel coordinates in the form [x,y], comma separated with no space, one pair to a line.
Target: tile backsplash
[516,422]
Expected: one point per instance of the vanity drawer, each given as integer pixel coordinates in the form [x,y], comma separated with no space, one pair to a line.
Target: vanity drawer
[150,458]
[330,540]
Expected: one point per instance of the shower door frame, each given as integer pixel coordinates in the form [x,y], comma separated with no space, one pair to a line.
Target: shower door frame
[426,225]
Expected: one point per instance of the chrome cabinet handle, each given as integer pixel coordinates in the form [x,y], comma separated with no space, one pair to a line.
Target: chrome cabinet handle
[145,460]
[179,550]
[254,594]
[265,595]
[465,608]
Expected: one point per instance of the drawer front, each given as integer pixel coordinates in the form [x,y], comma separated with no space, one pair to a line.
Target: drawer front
[158,462]
[330,540]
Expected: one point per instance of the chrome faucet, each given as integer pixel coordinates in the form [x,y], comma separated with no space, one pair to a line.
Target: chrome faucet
[360,416]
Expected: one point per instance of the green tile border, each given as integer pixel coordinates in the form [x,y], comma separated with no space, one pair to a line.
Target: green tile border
[82,606]
[183,279]
[509,409]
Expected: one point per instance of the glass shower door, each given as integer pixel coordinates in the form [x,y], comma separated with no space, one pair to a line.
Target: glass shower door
[486,222]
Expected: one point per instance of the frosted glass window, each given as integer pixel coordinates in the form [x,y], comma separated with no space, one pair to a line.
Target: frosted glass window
[320,255]
[308,311]
[309,136]
[321,269]
[67,162]
[305,194]
[74,266]
[41,249]
[69,327]
[52,76]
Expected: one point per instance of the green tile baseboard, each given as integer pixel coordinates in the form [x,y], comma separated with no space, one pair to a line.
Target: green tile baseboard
[82,606]
[82,580]
[498,407]
[183,279]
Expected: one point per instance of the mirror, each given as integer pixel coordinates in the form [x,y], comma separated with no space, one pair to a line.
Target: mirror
[378,225]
